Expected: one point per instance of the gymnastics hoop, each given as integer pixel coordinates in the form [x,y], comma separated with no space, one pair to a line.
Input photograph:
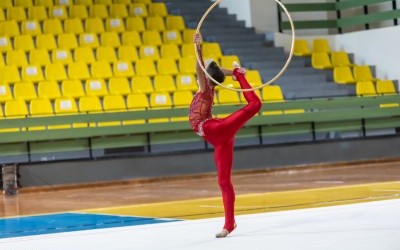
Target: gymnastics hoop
[261,86]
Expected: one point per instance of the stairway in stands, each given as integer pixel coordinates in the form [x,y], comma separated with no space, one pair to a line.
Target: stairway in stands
[299,81]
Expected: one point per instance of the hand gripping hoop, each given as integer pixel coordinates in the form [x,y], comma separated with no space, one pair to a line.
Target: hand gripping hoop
[267,83]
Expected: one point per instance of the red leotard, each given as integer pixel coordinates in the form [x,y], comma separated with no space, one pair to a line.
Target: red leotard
[220,133]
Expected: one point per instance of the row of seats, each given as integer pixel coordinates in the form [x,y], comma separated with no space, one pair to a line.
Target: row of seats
[19,13]
[302,47]
[351,75]
[108,39]
[83,69]
[369,88]
[96,26]
[115,102]
[325,60]
[51,89]
[49,3]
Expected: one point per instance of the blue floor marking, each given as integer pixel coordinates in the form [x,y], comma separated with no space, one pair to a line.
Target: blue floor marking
[67,222]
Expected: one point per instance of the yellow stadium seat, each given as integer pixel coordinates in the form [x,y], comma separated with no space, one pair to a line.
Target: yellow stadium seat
[321,45]
[58,12]
[17,58]
[73,26]
[46,41]
[2,62]
[78,71]
[90,104]
[44,3]
[16,13]
[343,75]
[164,83]
[175,23]
[119,86]
[72,89]
[139,9]
[5,93]
[211,50]
[170,51]
[24,42]
[40,107]
[227,61]
[155,23]
[94,25]
[49,90]
[127,54]
[9,74]
[135,24]
[149,52]
[65,105]
[151,37]
[131,38]
[188,35]
[321,60]
[52,26]
[61,56]
[4,4]
[142,85]
[385,87]
[106,54]
[114,103]
[301,48]
[119,10]
[5,44]
[78,11]
[24,91]
[23,3]
[226,96]
[84,54]
[31,27]
[88,40]
[187,50]
[187,65]
[340,58]
[167,66]
[186,82]
[84,2]
[9,28]
[2,18]
[145,67]
[38,13]
[160,100]
[15,108]
[115,24]
[98,11]
[39,57]
[363,73]
[137,101]
[96,87]
[272,93]
[158,9]
[67,41]
[365,88]
[110,39]
[55,72]
[32,73]
[126,2]
[123,69]
[182,98]
[172,37]
[101,69]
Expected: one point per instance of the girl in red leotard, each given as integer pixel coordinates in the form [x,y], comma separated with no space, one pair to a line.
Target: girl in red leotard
[220,132]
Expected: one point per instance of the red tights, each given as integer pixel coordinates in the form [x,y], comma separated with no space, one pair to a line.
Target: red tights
[220,133]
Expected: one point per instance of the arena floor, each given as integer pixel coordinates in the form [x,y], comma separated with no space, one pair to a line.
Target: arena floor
[341,206]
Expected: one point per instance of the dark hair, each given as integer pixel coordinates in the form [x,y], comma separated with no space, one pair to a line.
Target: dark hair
[215,72]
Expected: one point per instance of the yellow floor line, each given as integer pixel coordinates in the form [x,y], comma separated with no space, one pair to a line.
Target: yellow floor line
[261,203]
